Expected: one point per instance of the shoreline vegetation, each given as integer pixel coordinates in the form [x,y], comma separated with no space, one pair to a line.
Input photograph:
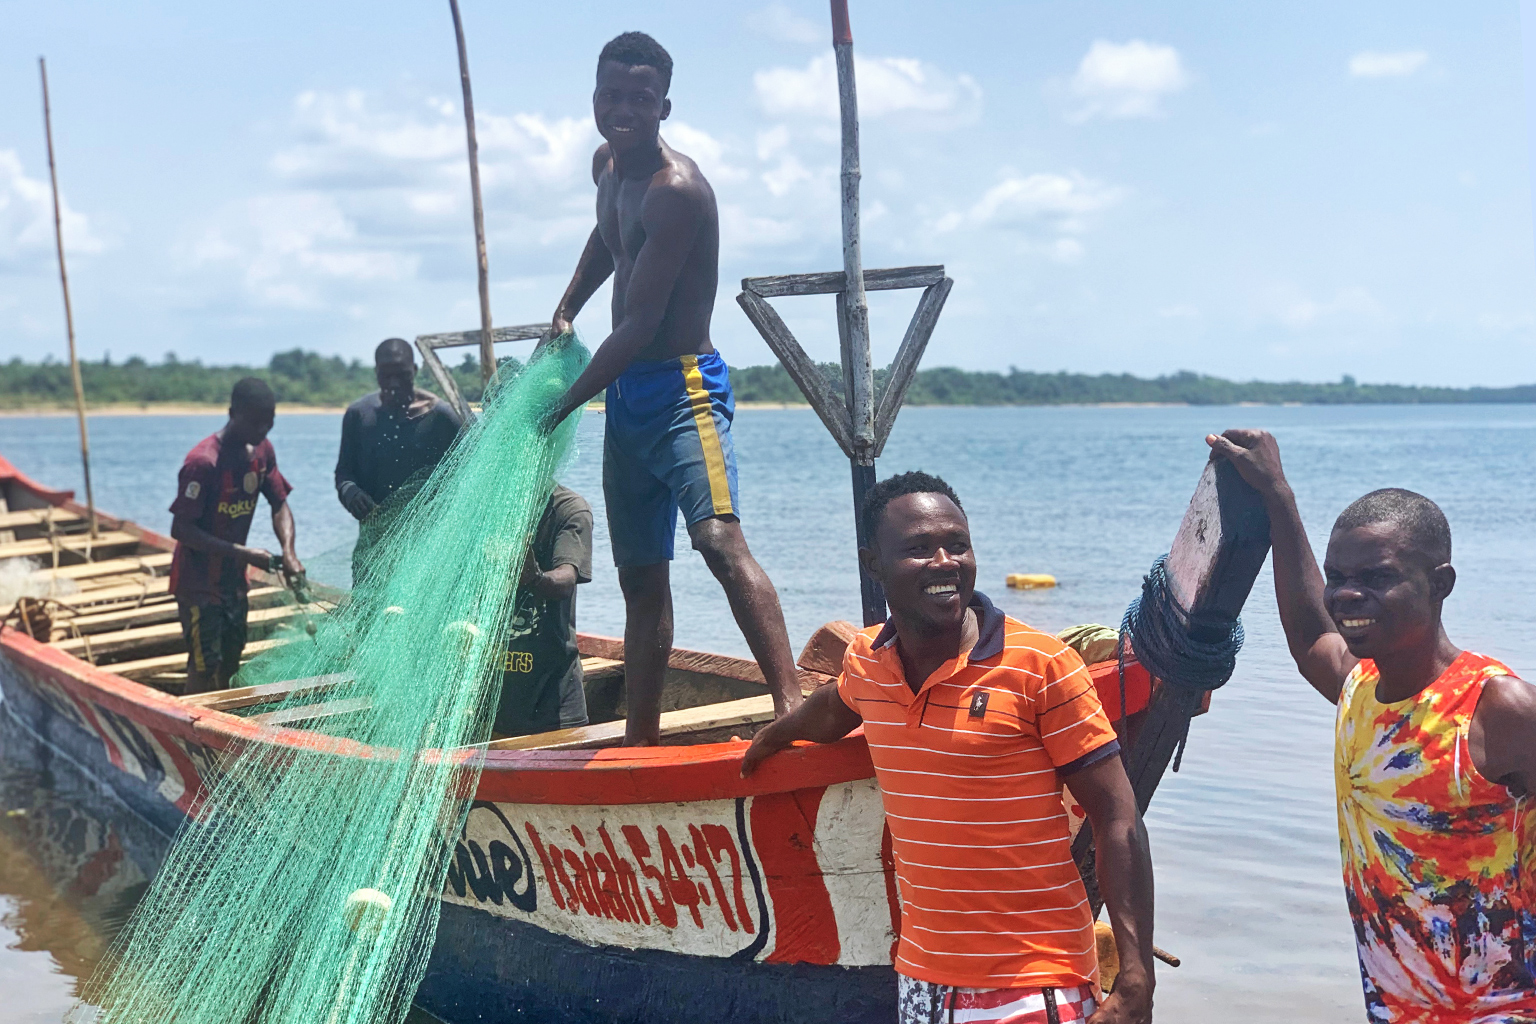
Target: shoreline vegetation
[309,382]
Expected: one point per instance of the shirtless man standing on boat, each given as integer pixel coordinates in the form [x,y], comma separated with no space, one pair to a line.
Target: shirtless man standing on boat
[669,402]
[1434,754]
[973,721]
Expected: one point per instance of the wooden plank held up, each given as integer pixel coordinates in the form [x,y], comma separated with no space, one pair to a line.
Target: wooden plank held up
[1216,555]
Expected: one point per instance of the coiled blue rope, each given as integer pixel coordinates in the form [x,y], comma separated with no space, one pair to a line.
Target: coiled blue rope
[1155,631]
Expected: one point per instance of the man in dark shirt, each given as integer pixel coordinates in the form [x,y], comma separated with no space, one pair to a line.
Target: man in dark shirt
[541,689]
[387,436]
[215,503]
[393,437]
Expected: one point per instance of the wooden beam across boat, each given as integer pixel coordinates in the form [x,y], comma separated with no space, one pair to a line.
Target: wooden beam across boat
[745,714]
[75,544]
[108,567]
[141,615]
[146,588]
[146,668]
[50,514]
[107,644]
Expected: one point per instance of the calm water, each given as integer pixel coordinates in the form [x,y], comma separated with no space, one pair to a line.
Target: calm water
[1243,838]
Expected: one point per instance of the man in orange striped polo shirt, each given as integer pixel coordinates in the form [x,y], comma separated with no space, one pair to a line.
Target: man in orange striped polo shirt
[974,720]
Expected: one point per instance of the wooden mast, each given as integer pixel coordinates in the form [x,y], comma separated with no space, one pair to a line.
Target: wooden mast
[852,309]
[487,349]
[69,317]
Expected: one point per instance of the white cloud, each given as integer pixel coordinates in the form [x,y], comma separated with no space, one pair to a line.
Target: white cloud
[886,86]
[1124,80]
[1376,64]
[1056,202]
[372,192]
[26,220]
[777,21]
[294,248]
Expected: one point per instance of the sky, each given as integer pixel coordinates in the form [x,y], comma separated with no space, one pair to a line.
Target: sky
[1276,192]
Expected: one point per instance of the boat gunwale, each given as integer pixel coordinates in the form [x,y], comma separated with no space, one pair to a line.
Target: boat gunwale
[609,775]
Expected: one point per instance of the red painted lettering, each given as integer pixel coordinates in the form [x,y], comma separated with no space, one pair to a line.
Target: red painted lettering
[585,890]
[665,911]
[701,853]
[718,838]
[684,893]
[629,885]
[549,872]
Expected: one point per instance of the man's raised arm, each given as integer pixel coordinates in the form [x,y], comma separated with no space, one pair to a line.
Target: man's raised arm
[671,217]
[1318,649]
[594,267]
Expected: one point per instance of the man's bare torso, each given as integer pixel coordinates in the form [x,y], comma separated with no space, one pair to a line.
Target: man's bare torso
[684,328]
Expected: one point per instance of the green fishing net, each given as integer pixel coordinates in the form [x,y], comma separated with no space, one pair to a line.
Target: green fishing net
[305,892]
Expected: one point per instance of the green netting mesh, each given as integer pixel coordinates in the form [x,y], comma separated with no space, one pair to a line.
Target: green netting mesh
[306,892]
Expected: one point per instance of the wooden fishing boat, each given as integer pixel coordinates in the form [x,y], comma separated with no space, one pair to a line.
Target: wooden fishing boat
[592,882]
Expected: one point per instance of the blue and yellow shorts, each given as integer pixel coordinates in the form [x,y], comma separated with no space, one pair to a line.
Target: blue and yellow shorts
[667,448]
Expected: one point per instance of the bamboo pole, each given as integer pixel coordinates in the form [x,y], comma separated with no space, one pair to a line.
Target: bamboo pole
[69,318]
[852,308]
[487,349]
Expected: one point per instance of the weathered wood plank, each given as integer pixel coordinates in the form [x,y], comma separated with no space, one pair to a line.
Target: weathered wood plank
[39,517]
[107,567]
[107,644]
[313,712]
[749,711]
[75,544]
[832,281]
[904,368]
[145,668]
[147,587]
[132,618]
[805,373]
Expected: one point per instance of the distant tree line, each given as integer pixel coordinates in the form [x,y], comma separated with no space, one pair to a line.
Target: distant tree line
[307,378]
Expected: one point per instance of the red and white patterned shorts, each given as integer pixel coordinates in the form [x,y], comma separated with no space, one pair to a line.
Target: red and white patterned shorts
[923,1002]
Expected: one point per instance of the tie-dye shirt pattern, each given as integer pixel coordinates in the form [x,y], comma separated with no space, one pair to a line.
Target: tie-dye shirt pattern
[1435,857]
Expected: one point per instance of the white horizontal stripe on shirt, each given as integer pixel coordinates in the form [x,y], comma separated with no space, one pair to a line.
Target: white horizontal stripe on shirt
[947,844]
[966,892]
[1010,867]
[1028,910]
[1071,725]
[994,956]
[973,799]
[931,750]
[946,821]
[949,775]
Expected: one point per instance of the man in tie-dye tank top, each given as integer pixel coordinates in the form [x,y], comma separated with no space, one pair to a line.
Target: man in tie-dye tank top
[1435,752]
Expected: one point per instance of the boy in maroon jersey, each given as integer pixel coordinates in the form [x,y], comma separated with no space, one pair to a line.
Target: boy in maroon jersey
[215,503]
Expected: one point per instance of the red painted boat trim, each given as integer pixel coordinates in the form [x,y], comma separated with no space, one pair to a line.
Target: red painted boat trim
[619,775]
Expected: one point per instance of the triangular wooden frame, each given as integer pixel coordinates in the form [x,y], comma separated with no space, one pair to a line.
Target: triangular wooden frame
[835,410]
[428,344]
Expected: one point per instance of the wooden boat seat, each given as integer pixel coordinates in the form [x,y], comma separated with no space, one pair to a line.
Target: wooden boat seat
[143,588]
[105,645]
[294,717]
[50,515]
[109,567]
[77,544]
[146,669]
[135,615]
[711,723]
[270,693]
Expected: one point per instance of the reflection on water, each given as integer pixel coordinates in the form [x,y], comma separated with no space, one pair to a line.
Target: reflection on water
[73,862]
